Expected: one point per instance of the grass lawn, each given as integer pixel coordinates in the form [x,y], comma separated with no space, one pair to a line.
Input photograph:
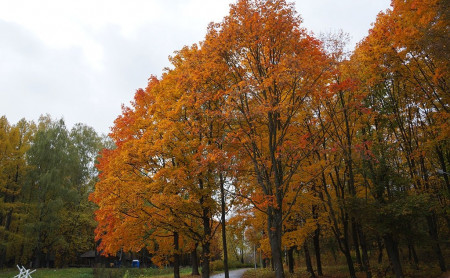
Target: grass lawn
[52,273]
[139,273]
[100,273]
[339,271]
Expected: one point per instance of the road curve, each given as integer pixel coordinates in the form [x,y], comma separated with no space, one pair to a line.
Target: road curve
[233,273]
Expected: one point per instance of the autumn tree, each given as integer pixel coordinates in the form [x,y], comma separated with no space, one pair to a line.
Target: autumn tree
[405,70]
[171,160]
[138,200]
[339,114]
[273,69]
[15,140]
[314,140]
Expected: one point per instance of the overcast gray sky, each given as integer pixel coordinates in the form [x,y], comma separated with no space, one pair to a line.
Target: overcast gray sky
[82,59]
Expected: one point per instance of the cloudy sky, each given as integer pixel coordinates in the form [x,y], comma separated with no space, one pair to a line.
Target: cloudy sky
[82,59]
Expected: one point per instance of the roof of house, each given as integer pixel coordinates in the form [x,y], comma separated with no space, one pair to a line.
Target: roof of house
[88,254]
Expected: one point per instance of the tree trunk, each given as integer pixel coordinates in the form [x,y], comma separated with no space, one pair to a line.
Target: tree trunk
[176,256]
[356,244]
[37,258]
[224,235]
[275,231]
[380,250]
[412,256]
[341,237]
[205,262]
[2,257]
[47,260]
[444,167]
[394,257]
[333,252]
[316,240]
[432,223]
[348,257]
[309,266]
[365,255]
[351,187]
[431,220]
[194,261]
[345,248]
[291,259]
[206,242]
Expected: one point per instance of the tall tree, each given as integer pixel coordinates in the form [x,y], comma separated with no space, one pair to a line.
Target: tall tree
[58,218]
[406,71]
[14,142]
[171,142]
[273,68]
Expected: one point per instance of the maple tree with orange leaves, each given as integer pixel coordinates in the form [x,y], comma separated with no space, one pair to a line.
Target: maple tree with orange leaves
[308,141]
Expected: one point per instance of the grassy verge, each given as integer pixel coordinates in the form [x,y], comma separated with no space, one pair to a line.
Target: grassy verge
[342,272]
[52,273]
[99,273]
[336,271]
[138,273]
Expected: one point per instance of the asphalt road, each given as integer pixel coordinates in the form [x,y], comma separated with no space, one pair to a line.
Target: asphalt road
[233,273]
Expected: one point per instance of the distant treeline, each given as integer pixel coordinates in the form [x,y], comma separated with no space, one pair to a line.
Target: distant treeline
[46,174]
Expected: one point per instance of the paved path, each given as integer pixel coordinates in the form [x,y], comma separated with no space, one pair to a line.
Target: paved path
[233,273]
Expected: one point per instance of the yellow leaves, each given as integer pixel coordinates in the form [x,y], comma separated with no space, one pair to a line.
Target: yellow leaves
[165,143]
[257,101]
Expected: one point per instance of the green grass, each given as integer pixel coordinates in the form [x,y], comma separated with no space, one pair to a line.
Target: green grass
[98,273]
[138,273]
[52,273]
[336,271]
